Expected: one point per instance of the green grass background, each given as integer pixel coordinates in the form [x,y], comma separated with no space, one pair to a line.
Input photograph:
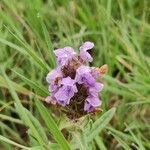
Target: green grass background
[29,32]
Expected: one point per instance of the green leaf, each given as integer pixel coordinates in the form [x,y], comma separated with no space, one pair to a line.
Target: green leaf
[100,143]
[50,123]
[120,134]
[100,124]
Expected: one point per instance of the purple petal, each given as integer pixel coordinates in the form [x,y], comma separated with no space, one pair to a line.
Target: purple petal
[64,55]
[97,87]
[64,102]
[69,91]
[94,101]
[84,55]
[70,51]
[83,75]
[68,81]
[60,52]
[53,88]
[93,91]
[52,75]
[63,93]
[86,46]
[66,92]
[88,80]
[88,107]
[83,69]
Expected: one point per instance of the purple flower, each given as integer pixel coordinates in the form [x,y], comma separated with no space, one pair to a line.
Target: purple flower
[66,92]
[83,76]
[73,81]
[84,55]
[64,55]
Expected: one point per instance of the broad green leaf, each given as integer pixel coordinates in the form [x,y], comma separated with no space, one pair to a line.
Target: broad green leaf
[78,141]
[52,127]
[100,124]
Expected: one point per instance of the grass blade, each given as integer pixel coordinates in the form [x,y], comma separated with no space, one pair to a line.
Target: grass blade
[31,53]
[11,119]
[2,138]
[121,142]
[39,88]
[37,126]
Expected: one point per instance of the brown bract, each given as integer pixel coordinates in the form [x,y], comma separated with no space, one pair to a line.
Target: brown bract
[103,69]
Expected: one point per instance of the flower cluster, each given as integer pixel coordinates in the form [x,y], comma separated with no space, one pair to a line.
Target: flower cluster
[73,84]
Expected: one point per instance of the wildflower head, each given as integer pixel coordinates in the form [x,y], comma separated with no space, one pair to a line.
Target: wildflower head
[72,84]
